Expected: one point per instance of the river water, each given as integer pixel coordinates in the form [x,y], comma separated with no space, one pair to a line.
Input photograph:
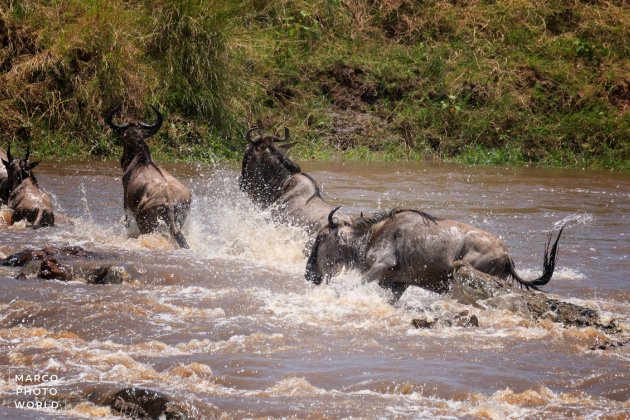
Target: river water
[231,327]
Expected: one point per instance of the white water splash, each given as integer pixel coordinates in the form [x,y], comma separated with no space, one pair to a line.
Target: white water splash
[562,273]
[225,224]
[575,218]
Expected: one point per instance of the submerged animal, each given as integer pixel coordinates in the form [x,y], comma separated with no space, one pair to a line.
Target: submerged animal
[151,194]
[4,180]
[270,178]
[23,195]
[406,247]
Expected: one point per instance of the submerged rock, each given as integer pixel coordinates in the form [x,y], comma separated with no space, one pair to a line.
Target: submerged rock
[143,403]
[462,319]
[129,402]
[112,274]
[481,290]
[67,263]
[19,259]
[609,344]
[50,269]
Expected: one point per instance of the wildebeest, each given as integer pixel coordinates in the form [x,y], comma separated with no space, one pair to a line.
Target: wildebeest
[4,181]
[151,194]
[23,195]
[270,178]
[406,247]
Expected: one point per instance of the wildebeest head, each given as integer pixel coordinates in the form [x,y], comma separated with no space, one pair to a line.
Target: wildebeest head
[265,165]
[134,134]
[19,169]
[333,249]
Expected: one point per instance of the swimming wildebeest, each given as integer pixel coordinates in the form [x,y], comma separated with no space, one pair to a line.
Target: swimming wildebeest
[406,247]
[23,195]
[4,180]
[151,194]
[272,179]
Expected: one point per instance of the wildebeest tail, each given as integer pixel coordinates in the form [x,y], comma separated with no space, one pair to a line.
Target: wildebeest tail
[549,265]
[175,231]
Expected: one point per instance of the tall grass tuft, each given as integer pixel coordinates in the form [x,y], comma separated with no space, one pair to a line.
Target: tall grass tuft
[190,43]
[69,63]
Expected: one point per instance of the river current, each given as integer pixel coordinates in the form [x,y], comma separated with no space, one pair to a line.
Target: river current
[231,327]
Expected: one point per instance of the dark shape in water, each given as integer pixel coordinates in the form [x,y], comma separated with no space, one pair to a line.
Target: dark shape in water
[462,319]
[141,403]
[19,259]
[107,274]
[479,289]
[50,269]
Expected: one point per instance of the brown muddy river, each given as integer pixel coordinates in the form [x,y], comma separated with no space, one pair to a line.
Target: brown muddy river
[231,327]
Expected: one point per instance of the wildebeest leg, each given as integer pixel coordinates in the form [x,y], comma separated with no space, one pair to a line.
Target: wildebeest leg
[175,227]
[385,262]
[397,290]
[147,221]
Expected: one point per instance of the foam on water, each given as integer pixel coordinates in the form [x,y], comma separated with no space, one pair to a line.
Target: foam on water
[576,219]
[222,224]
[226,224]
[194,330]
[560,273]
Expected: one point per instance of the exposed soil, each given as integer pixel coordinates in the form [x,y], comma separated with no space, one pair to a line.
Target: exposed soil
[352,87]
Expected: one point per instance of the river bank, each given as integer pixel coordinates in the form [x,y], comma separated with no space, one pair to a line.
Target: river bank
[518,83]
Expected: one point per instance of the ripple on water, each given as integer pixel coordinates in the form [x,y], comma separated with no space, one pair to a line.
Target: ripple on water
[232,323]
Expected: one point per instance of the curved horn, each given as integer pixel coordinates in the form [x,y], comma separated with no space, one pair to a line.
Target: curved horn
[110,122]
[153,128]
[331,222]
[248,135]
[9,157]
[28,153]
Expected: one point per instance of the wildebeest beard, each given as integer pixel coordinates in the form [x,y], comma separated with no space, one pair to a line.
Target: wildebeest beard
[350,254]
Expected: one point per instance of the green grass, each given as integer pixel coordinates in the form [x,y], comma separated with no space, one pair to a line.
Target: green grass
[479,82]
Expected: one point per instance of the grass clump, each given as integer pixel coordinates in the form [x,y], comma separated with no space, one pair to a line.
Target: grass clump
[190,48]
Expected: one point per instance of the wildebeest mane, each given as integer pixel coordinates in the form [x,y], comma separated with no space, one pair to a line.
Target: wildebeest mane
[295,169]
[291,167]
[141,154]
[364,223]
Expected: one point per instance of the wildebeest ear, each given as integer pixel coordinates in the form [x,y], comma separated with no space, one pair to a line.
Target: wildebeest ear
[32,165]
[5,163]
[287,146]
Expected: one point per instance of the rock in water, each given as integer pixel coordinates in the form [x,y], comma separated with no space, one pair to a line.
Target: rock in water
[19,259]
[67,263]
[50,269]
[112,274]
[144,403]
[462,319]
[473,287]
